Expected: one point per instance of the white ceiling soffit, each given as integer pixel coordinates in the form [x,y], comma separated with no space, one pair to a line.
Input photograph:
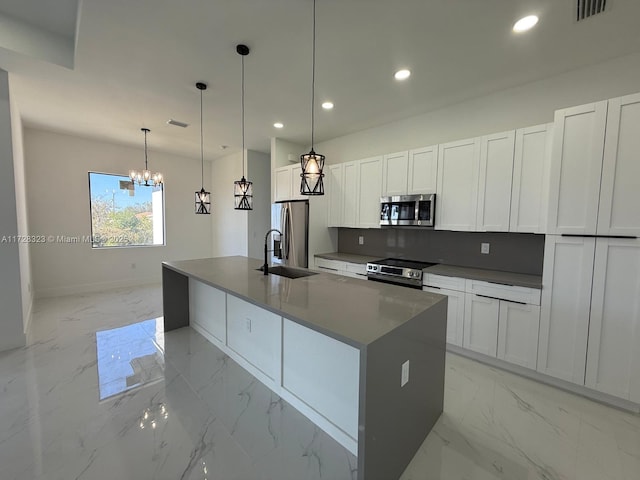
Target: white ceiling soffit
[43,30]
[137,62]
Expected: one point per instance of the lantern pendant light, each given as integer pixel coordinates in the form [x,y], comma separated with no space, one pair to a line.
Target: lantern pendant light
[312,163]
[243,189]
[203,198]
[143,178]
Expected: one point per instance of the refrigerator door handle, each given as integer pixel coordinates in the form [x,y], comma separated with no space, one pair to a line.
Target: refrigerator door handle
[287,231]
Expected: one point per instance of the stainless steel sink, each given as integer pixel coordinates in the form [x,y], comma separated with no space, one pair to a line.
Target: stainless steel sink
[289,272]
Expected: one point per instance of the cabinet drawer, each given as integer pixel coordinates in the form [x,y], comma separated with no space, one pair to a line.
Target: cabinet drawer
[442,281]
[504,292]
[333,265]
[359,269]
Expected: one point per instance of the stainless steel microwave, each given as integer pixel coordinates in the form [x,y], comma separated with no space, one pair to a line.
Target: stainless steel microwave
[408,210]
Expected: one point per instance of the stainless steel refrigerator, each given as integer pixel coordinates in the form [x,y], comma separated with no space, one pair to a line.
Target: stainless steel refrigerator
[292,219]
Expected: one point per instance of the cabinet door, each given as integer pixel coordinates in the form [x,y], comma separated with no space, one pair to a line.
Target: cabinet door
[208,309]
[282,180]
[395,172]
[423,170]
[481,324]
[369,190]
[350,195]
[494,187]
[334,179]
[456,206]
[256,335]
[619,194]
[530,189]
[613,355]
[455,314]
[576,165]
[566,297]
[518,327]
[296,182]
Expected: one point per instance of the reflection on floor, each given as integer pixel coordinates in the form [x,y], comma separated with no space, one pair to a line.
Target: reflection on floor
[102,393]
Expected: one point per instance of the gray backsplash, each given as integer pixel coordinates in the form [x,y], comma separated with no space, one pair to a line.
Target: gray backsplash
[509,252]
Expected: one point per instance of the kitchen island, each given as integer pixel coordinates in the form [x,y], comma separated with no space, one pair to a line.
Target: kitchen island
[363,360]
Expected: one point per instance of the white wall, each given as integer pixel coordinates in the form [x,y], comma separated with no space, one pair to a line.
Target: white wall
[11,320]
[526,105]
[259,171]
[229,225]
[58,204]
[283,152]
[21,211]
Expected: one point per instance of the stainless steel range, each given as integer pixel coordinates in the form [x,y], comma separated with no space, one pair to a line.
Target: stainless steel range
[397,271]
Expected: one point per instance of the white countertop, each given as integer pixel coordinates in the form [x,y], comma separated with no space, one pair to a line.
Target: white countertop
[357,312]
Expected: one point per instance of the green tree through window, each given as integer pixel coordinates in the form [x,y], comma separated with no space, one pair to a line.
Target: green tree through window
[124,214]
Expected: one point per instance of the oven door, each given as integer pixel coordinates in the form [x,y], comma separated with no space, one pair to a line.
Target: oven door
[400,281]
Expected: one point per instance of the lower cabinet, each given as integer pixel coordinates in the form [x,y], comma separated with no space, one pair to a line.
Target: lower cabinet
[329,386]
[518,326]
[255,335]
[455,313]
[347,269]
[481,324]
[208,309]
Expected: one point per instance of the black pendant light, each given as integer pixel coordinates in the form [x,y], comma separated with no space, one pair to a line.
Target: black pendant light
[243,189]
[145,177]
[312,163]
[203,198]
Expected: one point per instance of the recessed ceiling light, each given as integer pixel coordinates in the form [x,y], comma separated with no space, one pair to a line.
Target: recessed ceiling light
[525,24]
[278,125]
[402,74]
[327,105]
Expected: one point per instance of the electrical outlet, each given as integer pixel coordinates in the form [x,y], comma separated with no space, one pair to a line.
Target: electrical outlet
[133,266]
[484,248]
[361,240]
[247,324]
[404,378]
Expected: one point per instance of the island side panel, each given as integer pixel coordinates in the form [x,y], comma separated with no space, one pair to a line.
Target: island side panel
[395,420]
[175,299]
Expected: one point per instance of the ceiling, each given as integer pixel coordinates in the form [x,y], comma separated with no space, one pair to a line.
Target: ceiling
[137,61]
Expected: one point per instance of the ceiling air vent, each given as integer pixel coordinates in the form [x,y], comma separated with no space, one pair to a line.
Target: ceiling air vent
[177,123]
[589,8]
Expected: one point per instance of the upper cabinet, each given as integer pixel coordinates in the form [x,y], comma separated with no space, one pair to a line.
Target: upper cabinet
[494,185]
[369,191]
[576,169]
[457,189]
[618,213]
[334,179]
[530,188]
[395,174]
[350,195]
[423,170]
[286,182]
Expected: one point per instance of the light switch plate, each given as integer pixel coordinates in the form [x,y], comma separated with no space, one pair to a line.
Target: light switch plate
[484,248]
[405,374]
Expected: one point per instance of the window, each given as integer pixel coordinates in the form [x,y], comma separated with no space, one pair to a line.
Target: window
[124,214]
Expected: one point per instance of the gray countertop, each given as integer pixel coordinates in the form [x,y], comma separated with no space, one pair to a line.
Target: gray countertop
[493,276]
[354,311]
[347,257]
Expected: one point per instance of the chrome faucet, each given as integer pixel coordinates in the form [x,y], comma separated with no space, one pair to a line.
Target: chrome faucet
[265,267]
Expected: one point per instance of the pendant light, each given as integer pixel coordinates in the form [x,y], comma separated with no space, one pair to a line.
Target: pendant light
[145,177]
[203,198]
[243,189]
[312,163]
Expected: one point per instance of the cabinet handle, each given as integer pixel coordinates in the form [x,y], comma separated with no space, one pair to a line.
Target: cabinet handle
[362,274]
[327,268]
[501,299]
[429,286]
[513,301]
[630,237]
[487,296]
[504,284]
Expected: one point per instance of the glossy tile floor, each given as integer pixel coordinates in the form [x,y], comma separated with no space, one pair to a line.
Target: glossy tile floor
[102,393]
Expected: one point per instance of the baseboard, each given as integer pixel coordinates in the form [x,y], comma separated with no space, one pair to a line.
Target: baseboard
[96,287]
[599,397]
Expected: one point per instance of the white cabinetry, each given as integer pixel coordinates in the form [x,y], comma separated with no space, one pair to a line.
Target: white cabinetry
[613,353]
[576,169]
[256,335]
[494,187]
[334,189]
[619,212]
[350,195]
[423,170]
[455,313]
[518,327]
[458,164]
[566,296]
[287,183]
[369,191]
[208,309]
[481,324]
[395,174]
[530,189]
[347,269]
[331,386]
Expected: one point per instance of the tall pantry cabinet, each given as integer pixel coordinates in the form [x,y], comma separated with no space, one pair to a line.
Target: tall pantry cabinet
[590,320]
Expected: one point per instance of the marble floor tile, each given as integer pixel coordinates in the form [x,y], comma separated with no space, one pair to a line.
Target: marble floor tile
[101,392]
